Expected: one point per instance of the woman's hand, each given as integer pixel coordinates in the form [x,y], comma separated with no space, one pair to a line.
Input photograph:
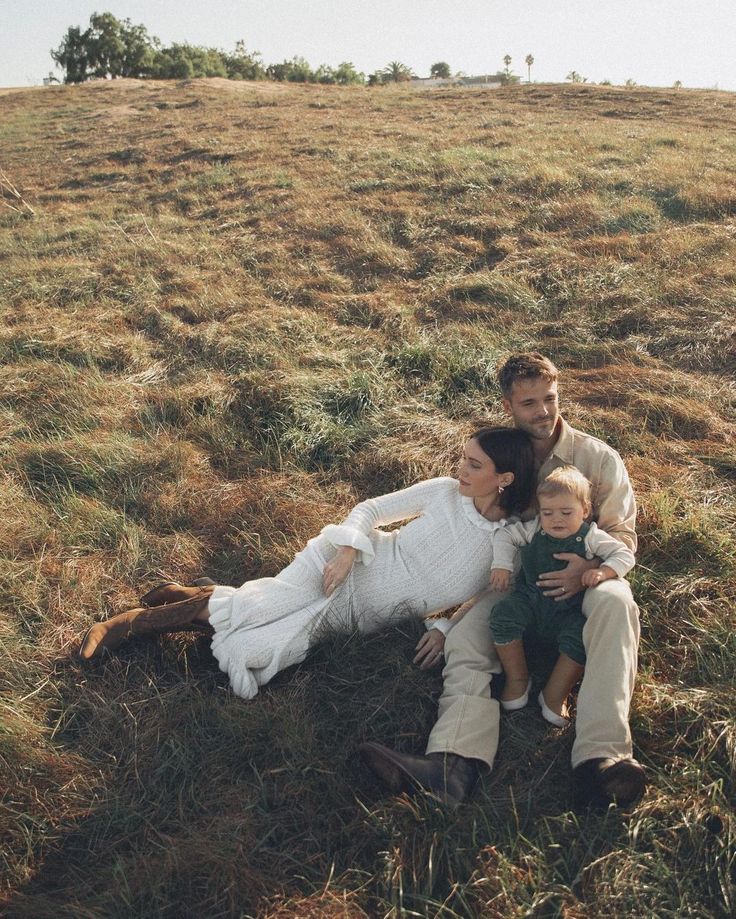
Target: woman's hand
[429,649]
[500,579]
[337,569]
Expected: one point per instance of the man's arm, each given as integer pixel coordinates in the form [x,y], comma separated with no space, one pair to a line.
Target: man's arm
[614,507]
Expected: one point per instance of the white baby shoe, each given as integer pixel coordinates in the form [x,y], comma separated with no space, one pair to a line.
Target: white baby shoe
[559,721]
[514,704]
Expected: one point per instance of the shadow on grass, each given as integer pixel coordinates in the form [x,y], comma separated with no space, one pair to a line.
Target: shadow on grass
[209,805]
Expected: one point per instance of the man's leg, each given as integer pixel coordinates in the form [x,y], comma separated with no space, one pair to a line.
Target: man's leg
[466,732]
[468,719]
[602,752]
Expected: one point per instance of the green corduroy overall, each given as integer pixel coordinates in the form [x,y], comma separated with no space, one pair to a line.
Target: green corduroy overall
[527,610]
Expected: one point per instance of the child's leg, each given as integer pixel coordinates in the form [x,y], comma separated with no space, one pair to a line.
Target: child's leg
[513,661]
[509,620]
[564,676]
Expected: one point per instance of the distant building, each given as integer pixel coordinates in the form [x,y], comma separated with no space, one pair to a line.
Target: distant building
[489,81]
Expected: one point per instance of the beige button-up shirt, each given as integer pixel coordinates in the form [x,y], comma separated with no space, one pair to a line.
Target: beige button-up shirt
[614,506]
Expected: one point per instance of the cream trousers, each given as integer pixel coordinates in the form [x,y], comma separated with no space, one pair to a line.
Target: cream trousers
[468,719]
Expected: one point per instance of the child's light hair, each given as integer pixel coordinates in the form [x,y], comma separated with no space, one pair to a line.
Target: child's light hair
[566,480]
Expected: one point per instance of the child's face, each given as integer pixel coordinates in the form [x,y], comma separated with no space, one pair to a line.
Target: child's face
[561,515]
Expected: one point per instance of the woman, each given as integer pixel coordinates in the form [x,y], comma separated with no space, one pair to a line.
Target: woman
[354,575]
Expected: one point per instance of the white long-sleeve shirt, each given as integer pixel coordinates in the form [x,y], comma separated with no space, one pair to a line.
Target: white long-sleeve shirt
[508,540]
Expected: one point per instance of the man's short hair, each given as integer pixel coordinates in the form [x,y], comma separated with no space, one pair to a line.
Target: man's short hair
[529,365]
[566,480]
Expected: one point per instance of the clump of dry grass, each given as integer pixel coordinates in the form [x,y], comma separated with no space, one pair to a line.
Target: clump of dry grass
[266,303]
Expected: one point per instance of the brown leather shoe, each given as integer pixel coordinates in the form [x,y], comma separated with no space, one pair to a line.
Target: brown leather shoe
[446,776]
[173,617]
[171,592]
[599,782]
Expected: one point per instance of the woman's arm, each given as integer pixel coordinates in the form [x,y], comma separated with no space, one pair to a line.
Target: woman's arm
[391,508]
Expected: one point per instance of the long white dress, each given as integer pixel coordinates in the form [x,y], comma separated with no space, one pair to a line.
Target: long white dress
[439,559]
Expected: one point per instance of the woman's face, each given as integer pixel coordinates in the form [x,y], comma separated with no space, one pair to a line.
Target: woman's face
[477,473]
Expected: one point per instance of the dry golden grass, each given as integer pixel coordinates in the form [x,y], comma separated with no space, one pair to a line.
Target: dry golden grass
[238,308]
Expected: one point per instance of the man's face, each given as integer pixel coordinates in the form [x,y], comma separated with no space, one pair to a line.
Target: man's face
[534,407]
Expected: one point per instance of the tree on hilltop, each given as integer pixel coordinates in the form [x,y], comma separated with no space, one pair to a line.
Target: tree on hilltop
[343,75]
[440,70]
[243,64]
[185,62]
[71,56]
[346,74]
[109,48]
[396,72]
[575,77]
[507,64]
[529,60]
[297,70]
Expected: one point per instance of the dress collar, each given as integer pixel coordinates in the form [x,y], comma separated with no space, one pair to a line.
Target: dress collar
[477,519]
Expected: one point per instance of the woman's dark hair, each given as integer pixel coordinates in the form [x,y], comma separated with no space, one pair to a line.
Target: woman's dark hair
[511,451]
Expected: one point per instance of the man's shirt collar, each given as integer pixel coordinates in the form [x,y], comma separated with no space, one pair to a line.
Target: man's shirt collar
[564,448]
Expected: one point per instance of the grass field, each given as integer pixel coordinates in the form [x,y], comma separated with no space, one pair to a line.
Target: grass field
[236,309]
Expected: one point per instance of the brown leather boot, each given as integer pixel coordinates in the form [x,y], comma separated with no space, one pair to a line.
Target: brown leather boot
[171,592]
[598,782]
[446,776]
[171,617]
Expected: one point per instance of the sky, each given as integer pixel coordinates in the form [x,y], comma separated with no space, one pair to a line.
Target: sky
[654,42]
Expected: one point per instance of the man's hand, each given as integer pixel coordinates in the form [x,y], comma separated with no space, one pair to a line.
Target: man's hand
[337,569]
[500,579]
[429,649]
[561,585]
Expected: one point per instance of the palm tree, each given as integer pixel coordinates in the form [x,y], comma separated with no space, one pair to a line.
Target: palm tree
[507,63]
[396,72]
[529,60]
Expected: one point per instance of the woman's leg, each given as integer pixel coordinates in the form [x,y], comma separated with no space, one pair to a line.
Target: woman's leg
[183,615]
[271,623]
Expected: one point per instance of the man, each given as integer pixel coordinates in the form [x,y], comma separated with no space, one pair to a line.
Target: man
[465,736]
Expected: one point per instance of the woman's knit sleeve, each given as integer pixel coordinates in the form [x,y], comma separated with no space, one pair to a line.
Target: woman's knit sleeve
[355,530]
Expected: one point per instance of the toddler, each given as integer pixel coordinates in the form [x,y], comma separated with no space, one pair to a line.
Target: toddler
[564,499]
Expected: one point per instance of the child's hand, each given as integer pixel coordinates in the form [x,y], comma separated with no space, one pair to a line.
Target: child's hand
[500,579]
[596,576]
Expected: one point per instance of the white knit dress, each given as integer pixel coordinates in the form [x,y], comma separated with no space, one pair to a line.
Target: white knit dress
[439,559]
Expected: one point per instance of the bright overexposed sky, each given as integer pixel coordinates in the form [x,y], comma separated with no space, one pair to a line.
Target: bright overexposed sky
[653,42]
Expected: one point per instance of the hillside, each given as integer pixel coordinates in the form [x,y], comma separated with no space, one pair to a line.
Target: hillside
[236,309]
